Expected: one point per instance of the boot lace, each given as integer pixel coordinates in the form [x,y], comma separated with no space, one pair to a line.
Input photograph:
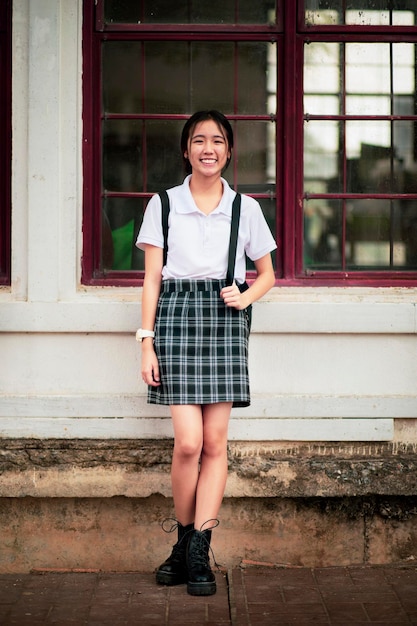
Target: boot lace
[170,525]
[203,547]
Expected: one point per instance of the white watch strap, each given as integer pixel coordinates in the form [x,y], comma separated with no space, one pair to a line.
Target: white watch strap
[142,333]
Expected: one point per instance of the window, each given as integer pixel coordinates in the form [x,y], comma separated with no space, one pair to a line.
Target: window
[360,139]
[321,95]
[5,140]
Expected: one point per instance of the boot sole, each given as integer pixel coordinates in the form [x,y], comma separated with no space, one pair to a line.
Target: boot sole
[201,589]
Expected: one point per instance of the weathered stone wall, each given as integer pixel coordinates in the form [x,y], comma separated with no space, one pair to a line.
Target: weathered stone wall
[99,504]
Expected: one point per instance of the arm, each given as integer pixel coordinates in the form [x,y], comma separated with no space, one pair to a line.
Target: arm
[264,281]
[150,295]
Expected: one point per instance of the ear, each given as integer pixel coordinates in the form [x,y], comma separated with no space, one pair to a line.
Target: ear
[186,154]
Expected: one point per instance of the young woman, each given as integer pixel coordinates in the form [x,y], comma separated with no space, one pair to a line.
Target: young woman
[195,333]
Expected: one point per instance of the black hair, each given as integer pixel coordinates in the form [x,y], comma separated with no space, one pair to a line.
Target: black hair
[203,116]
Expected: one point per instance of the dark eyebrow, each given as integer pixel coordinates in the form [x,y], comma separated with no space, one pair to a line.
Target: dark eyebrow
[214,136]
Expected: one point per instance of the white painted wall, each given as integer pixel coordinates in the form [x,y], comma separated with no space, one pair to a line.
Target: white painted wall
[326,364]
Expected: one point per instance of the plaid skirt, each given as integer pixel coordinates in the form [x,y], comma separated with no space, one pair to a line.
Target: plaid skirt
[201,345]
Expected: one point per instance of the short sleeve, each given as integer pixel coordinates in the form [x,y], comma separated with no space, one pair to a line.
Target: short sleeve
[151,230]
[261,241]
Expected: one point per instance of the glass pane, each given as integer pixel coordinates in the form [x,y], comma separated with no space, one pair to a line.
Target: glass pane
[322,154]
[323,234]
[189,12]
[171,77]
[255,146]
[122,155]
[380,156]
[374,72]
[121,220]
[360,12]
[123,162]
[368,68]
[322,68]
[372,229]
[257,78]
[163,154]
[122,72]
[407,246]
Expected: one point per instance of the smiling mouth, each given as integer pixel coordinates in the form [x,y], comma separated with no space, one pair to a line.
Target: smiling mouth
[208,161]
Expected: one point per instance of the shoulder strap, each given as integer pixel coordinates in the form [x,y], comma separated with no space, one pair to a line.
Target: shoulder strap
[234,229]
[164,217]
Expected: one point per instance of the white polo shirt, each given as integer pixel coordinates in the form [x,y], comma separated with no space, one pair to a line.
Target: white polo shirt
[198,244]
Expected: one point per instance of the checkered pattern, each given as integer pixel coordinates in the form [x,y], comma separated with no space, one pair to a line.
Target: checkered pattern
[202,346]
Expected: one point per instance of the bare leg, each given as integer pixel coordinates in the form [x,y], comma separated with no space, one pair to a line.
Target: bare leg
[188,441]
[213,467]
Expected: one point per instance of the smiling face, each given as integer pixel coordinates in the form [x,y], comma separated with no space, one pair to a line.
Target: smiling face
[207,149]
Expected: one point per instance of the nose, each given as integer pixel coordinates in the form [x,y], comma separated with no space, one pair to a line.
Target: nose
[208,147]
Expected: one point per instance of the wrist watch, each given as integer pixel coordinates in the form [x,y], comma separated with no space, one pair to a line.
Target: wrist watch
[141,334]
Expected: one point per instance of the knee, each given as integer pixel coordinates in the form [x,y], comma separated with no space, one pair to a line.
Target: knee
[188,448]
[215,446]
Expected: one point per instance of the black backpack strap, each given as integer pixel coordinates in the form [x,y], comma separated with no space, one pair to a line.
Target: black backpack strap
[234,229]
[164,217]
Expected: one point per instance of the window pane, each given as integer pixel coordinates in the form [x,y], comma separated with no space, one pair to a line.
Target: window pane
[322,154]
[122,76]
[121,219]
[368,68]
[321,68]
[122,155]
[171,77]
[323,234]
[380,156]
[379,79]
[408,224]
[373,235]
[360,12]
[164,159]
[189,12]
[124,167]
[255,149]
[380,235]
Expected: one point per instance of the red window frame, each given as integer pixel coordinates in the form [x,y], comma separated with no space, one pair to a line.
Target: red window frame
[94,32]
[5,142]
[290,34]
[347,33]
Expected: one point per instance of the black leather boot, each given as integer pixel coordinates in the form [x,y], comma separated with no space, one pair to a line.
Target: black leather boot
[201,580]
[173,571]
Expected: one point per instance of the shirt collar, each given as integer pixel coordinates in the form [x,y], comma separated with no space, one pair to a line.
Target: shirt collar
[188,205]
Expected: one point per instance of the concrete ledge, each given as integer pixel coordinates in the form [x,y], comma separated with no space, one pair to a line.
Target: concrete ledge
[140,468]
[124,534]
[99,504]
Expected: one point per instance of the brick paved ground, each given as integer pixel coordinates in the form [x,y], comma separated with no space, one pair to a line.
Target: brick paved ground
[246,596]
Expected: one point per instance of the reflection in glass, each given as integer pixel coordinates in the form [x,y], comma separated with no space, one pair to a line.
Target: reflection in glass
[171,77]
[360,12]
[353,156]
[379,234]
[121,220]
[122,76]
[323,234]
[189,12]
[164,159]
[373,235]
[255,148]
[122,155]
[321,151]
